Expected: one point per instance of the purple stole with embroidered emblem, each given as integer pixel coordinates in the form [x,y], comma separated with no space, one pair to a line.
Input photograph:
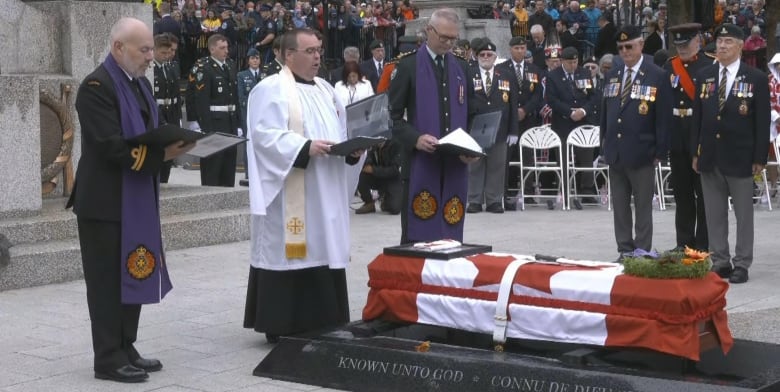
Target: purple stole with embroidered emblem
[438,183]
[144,275]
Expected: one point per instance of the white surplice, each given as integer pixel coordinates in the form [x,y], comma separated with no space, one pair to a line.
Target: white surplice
[272,151]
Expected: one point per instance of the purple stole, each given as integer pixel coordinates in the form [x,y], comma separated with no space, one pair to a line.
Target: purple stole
[144,275]
[438,183]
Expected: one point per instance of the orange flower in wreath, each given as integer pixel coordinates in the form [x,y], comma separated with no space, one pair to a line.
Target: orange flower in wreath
[693,256]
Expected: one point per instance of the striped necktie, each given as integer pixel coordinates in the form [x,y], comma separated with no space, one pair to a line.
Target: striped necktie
[519,74]
[626,87]
[722,89]
[488,83]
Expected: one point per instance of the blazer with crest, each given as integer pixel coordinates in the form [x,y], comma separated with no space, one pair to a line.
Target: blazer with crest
[563,95]
[735,138]
[502,97]
[634,134]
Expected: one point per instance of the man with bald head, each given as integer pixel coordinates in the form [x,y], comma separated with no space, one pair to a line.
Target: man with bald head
[116,203]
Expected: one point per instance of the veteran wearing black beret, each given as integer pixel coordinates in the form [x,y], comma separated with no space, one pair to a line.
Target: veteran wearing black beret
[729,147]
[634,123]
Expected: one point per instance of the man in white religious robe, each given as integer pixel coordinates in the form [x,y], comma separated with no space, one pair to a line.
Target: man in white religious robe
[298,197]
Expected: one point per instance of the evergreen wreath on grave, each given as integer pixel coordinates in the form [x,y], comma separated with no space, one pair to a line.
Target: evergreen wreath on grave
[688,264]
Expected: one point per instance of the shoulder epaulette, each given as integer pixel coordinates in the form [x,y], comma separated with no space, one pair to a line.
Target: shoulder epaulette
[710,55]
[95,83]
[405,54]
[460,57]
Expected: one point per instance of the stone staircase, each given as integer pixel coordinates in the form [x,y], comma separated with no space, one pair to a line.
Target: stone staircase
[45,248]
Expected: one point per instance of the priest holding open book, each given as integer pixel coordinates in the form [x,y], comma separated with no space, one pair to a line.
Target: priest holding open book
[427,101]
[298,197]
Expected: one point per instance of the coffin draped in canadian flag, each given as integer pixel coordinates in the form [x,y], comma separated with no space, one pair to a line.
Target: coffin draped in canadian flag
[591,305]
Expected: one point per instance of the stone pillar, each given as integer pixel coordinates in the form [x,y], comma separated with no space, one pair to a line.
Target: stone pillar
[46,43]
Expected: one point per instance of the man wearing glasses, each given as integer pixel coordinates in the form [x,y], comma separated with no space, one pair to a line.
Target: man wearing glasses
[635,119]
[689,219]
[298,197]
[427,101]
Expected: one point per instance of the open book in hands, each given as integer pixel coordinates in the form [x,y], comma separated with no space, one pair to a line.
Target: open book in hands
[458,142]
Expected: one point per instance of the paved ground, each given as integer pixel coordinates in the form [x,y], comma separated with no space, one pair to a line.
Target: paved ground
[196,331]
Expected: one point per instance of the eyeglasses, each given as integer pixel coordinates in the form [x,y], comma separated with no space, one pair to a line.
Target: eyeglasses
[626,47]
[310,51]
[591,67]
[443,38]
[486,54]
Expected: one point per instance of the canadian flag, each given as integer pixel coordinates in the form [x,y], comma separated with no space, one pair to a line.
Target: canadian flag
[594,305]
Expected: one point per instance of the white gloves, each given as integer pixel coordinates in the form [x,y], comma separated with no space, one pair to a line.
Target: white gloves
[240,132]
[194,126]
[512,140]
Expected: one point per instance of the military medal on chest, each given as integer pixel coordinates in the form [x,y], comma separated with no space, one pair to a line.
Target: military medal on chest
[643,107]
[743,108]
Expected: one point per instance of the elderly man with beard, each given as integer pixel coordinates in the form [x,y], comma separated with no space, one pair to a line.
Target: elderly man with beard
[115,199]
[491,90]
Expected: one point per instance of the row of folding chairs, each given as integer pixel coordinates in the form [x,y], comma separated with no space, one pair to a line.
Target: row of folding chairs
[542,140]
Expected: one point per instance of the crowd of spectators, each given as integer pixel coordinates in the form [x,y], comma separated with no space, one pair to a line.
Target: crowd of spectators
[252,24]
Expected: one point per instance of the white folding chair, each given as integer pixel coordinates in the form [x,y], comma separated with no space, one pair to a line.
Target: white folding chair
[539,139]
[763,180]
[582,137]
[662,177]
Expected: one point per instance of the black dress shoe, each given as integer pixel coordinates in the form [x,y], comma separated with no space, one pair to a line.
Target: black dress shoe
[150,365]
[495,208]
[530,200]
[740,275]
[510,206]
[724,271]
[271,338]
[127,373]
[550,205]
[243,182]
[472,208]
[590,200]
[577,204]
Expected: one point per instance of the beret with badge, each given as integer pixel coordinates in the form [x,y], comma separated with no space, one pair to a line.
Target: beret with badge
[519,40]
[463,43]
[486,45]
[682,33]
[252,52]
[628,33]
[729,30]
[265,7]
[376,44]
[569,53]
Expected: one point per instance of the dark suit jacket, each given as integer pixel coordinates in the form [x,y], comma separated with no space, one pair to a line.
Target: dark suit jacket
[502,97]
[369,71]
[653,43]
[635,134]
[737,137]
[529,94]
[563,95]
[605,42]
[97,193]
[680,135]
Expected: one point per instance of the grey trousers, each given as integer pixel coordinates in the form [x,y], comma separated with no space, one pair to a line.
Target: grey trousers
[640,183]
[716,189]
[486,176]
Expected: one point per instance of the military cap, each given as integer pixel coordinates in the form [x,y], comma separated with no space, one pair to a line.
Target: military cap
[569,53]
[683,33]
[729,30]
[590,60]
[463,43]
[252,52]
[485,45]
[628,33]
[552,52]
[519,40]
[265,7]
[376,44]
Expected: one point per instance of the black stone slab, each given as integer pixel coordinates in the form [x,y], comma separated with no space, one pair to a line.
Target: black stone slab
[341,360]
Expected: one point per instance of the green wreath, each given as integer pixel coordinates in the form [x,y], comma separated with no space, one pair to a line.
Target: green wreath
[690,264]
